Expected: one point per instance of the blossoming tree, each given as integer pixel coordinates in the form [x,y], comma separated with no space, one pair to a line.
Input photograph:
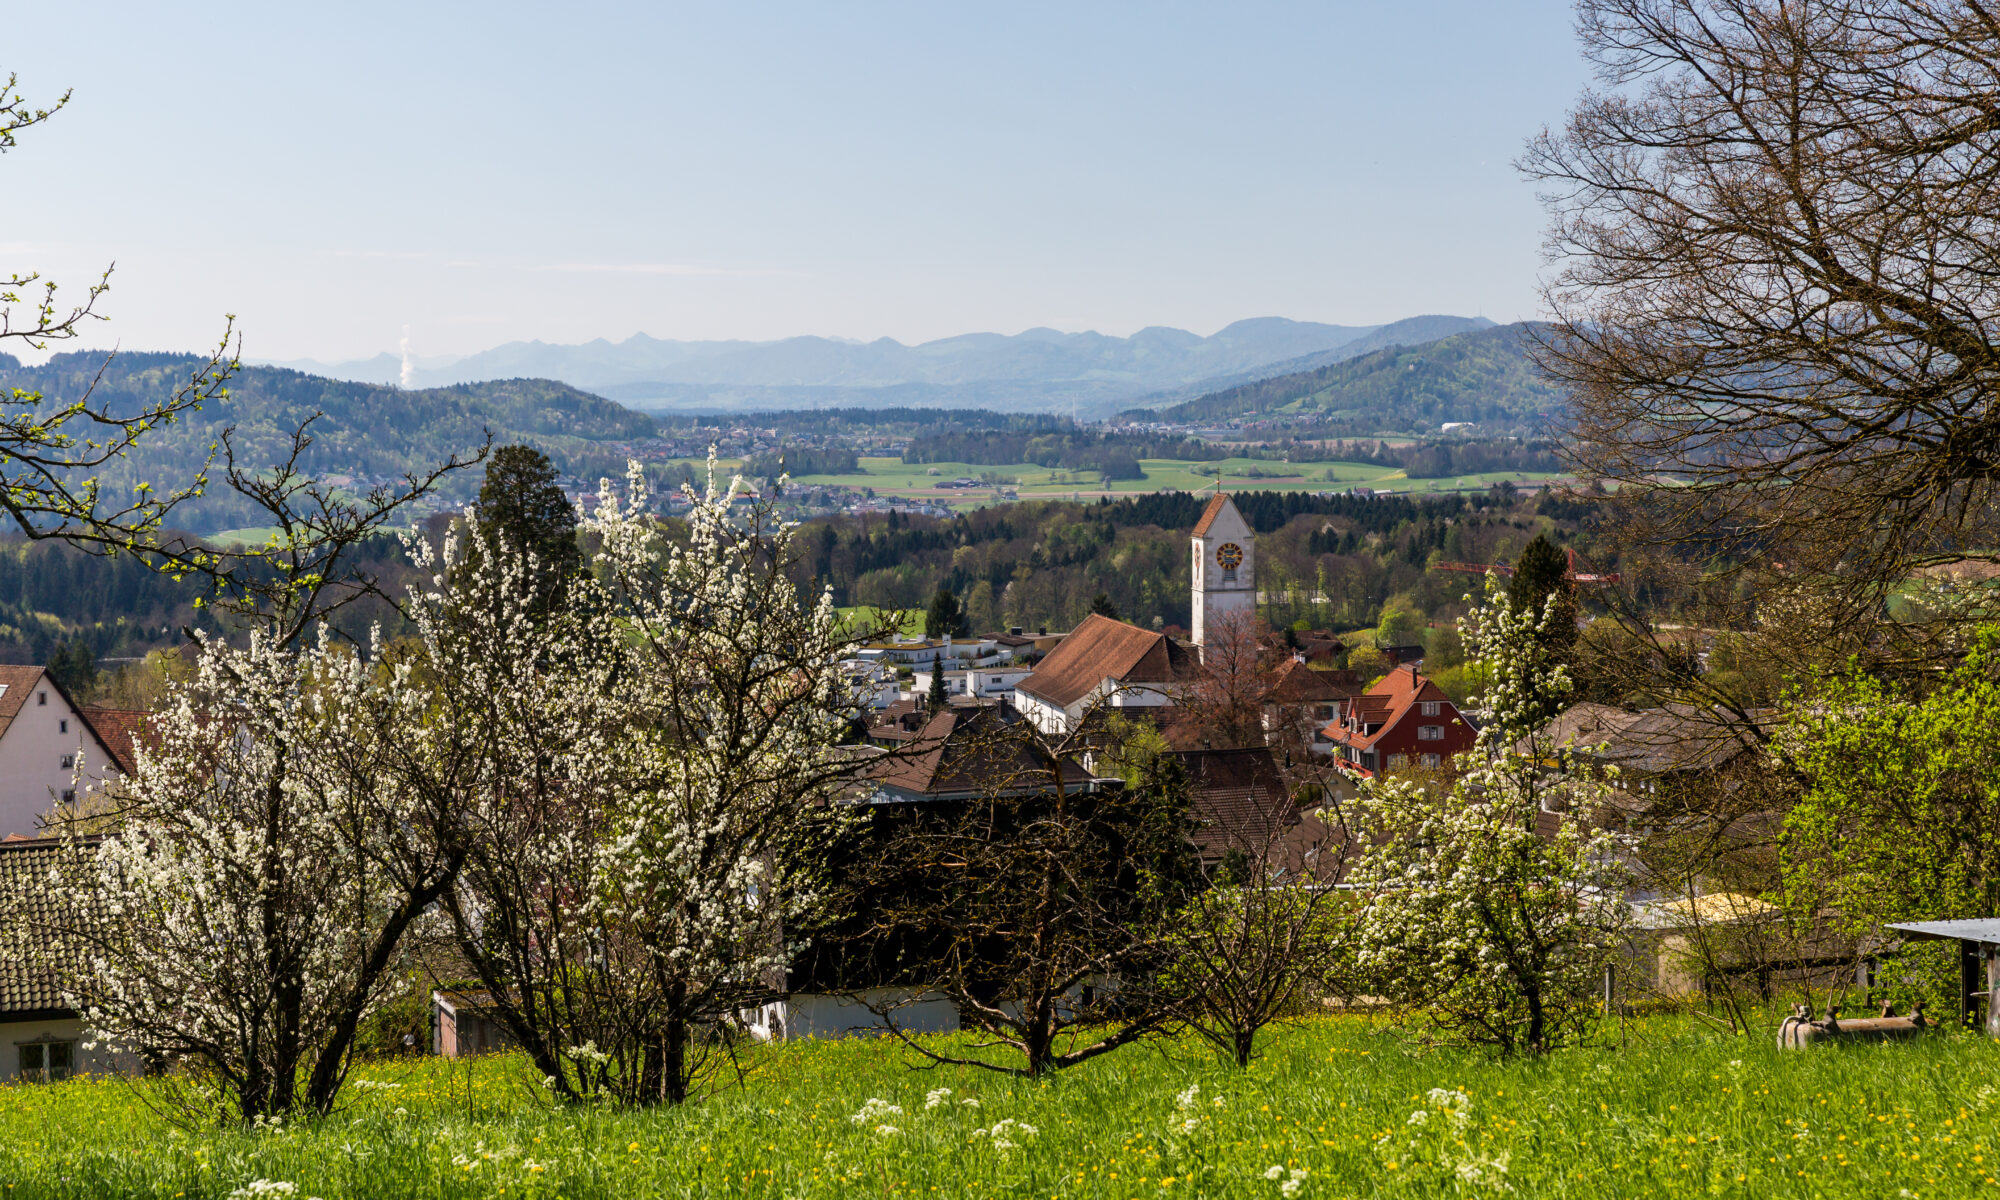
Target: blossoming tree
[1494,906]
[623,908]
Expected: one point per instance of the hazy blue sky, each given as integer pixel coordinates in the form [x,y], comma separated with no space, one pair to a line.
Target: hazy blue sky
[489,171]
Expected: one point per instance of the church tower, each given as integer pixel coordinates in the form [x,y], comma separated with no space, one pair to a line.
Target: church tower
[1225,566]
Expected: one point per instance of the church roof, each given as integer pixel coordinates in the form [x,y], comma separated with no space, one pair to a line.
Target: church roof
[1209,514]
[1101,649]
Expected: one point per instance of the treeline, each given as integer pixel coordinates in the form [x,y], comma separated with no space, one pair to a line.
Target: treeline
[1327,560]
[1435,459]
[55,597]
[804,460]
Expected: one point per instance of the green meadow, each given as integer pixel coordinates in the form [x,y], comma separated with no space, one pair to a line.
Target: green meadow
[1337,1107]
[892,475]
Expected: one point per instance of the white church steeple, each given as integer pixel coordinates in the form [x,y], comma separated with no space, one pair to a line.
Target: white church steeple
[1225,566]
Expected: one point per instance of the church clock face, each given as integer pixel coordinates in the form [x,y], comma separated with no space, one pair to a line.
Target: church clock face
[1229,556]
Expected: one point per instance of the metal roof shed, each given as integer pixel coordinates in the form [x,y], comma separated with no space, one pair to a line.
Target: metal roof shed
[1978,941]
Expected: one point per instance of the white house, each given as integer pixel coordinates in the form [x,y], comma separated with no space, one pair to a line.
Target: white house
[985,683]
[42,735]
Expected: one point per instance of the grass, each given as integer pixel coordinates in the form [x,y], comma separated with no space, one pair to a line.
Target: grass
[1674,1111]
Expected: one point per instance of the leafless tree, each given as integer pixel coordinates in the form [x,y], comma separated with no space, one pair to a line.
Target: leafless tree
[1224,702]
[1776,260]
[1043,904]
[1266,935]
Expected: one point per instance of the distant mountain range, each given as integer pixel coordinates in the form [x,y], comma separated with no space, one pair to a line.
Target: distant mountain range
[1041,370]
[1482,376]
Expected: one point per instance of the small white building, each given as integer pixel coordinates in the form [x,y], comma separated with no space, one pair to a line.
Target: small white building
[43,737]
[872,683]
[985,683]
[817,1015]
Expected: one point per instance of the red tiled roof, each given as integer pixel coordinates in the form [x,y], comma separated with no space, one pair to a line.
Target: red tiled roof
[119,729]
[1385,705]
[1101,649]
[1209,514]
[16,682]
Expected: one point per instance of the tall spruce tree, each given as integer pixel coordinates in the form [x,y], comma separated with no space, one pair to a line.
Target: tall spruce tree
[944,616]
[1540,573]
[938,697]
[521,502]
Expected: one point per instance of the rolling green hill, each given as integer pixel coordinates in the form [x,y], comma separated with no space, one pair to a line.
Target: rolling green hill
[1483,376]
[368,431]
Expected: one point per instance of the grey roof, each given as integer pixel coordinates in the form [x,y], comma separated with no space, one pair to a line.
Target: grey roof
[1977,929]
[25,902]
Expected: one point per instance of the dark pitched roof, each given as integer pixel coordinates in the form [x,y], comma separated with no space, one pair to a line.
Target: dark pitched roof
[1294,682]
[1209,514]
[1656,741]
[26,901]
[968,751]
[1101,649]
[1239,799]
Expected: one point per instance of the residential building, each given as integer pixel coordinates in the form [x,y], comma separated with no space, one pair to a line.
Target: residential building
[1103,662]
[985,683]
[1301,700]
[46,739]
[1404,720]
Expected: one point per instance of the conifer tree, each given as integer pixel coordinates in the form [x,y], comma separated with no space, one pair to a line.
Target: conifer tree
[938,697]
[521,504]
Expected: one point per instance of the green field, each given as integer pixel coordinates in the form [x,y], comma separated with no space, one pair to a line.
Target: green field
[1673,1111]
[891,476]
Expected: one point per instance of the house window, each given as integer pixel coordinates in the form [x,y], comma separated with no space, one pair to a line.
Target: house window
[69,796]
[68,762]
[1430,733]
[1431,708]
[1433,760]
[41,698]
[62,726]
[46,1062]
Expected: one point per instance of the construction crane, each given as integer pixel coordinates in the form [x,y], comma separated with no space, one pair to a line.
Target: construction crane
[1571,573]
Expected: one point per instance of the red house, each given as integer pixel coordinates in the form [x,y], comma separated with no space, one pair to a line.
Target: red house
[1404,720]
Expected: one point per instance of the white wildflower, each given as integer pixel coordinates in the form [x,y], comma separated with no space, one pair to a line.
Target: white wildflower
[877,1108]
[933,1099]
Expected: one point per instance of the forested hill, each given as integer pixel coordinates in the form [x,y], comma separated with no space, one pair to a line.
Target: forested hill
[1483,376]
[368,431]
